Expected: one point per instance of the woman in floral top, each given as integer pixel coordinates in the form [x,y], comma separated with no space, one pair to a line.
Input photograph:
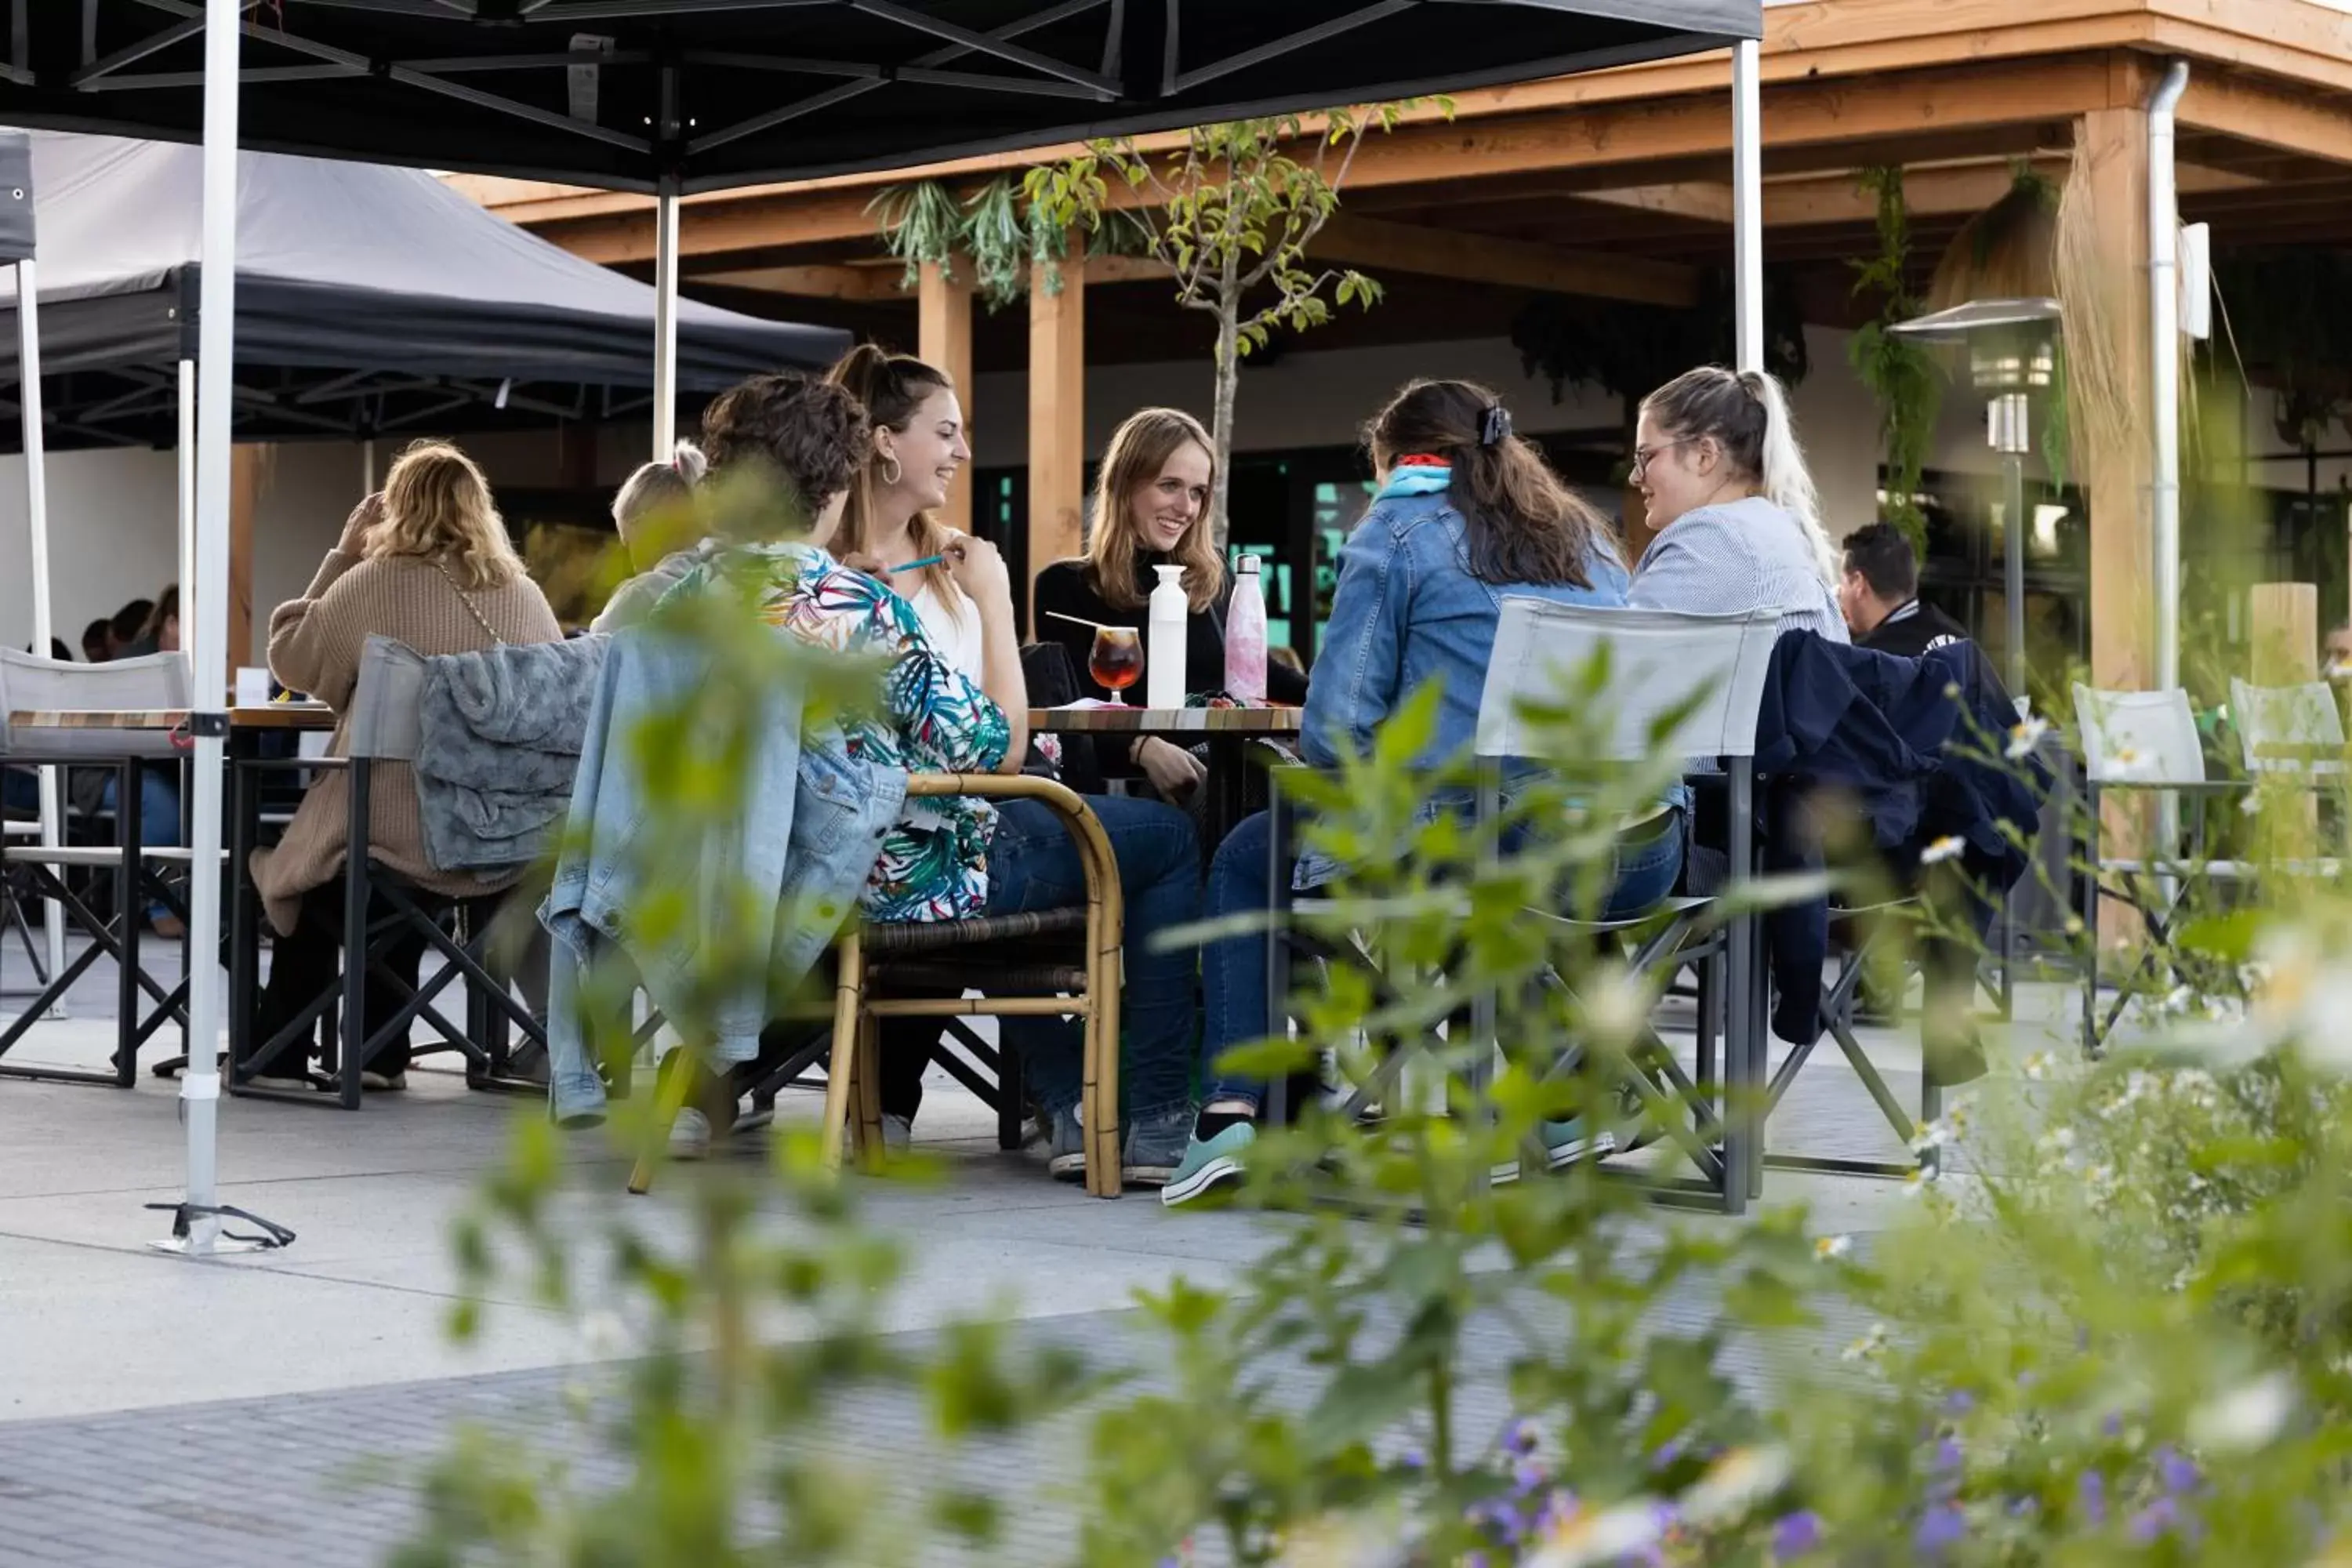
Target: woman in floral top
[959,858]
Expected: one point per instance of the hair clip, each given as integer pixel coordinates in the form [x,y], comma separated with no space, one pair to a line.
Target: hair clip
[1497,424]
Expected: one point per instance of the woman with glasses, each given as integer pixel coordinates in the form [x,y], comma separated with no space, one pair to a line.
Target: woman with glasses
[1737,521]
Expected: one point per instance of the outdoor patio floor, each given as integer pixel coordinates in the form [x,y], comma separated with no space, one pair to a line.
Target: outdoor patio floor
[152,1411]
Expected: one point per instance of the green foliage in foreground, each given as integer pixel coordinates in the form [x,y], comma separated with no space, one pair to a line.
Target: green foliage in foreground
[2126,1342]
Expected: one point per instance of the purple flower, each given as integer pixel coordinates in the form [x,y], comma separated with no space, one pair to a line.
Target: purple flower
[2091,1496]
[1940,1526]
[2113,1426]
[1669,1451]
[1527,1475]
[1959,1403]
[2178,1473]
[1413,1459]
[1796,1534]
[1947,1456]
[2153,1521]
[1520,1437]
[1474,1559]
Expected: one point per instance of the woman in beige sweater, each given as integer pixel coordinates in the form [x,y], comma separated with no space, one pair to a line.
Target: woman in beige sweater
[428,563]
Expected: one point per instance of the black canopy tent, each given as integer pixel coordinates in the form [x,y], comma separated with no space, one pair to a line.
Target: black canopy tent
[369,301]
[674,96]
[690,95]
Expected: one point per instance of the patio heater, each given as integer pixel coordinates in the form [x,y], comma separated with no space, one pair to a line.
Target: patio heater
[2012,350]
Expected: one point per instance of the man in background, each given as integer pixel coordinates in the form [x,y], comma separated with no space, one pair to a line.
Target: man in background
[127,627]
[98,641]
[1880,596]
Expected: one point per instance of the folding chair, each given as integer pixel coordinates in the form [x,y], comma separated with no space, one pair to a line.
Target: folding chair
[2143,741]
[1042,963]
[1656,660]
[156,683]
[2293,732]
[383,727]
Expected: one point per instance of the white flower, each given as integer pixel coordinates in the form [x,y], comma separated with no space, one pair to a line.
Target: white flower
[2024,736]
[1734,1485]
[2057,1140]
[1948,848]
[2251,803]
[1616,1006]
[2037,1066]
[1927,1135]
[2126,762]
[1590,1536]
[2245,1419]
[1867,1347]
[2073,925]
[1829,1247]
[1919,1181]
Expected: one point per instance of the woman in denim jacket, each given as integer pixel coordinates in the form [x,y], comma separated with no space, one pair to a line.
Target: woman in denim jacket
[1467,513]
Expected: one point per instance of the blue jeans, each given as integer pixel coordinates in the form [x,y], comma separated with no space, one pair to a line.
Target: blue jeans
[159,814]
[1233,971]
[1032,865]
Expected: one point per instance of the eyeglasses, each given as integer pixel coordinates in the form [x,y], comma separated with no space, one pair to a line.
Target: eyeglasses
[1641,456]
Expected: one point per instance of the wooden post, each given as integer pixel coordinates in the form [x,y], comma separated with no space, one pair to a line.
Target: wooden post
[250,470]
[944,342]
[1058,412]
[2285,618]
[2117,467]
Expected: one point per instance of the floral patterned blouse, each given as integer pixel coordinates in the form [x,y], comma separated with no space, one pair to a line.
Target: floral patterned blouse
[934,719]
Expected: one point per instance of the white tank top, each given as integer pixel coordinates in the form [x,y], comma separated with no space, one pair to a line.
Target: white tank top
[952,623]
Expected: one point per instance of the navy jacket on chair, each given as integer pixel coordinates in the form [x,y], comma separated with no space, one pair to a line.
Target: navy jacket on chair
[1894,734]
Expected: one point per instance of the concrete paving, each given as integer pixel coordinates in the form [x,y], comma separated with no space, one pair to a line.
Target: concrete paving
[124,1372]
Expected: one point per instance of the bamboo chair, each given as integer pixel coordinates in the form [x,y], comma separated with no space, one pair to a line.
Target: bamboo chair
[1037,964]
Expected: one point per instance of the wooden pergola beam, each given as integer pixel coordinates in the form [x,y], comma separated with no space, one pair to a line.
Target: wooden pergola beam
[1511,264]
[2304,123]
[813,282]
[1808,122]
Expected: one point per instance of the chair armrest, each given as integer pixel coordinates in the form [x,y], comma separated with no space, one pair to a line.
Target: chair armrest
[1085,829]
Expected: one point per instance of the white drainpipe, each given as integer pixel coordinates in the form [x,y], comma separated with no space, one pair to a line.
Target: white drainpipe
[2164,379]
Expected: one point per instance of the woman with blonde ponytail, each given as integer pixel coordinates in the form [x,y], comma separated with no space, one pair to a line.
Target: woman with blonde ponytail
[1736,518]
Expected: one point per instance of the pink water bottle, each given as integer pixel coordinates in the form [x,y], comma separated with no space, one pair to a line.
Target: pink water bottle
[1245,635]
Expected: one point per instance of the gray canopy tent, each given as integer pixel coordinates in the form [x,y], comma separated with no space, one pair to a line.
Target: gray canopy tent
[672,96]
[369,301]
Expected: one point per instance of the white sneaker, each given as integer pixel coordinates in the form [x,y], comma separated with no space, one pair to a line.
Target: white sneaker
[384,1083]
[689,1135]
[282,1085]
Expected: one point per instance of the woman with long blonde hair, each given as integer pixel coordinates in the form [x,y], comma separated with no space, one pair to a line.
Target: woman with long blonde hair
[1151,509]
[428,563]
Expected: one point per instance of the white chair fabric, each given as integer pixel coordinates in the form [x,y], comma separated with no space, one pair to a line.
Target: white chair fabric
[2304,717]
[1656,659]
[2143,738]
[150,683]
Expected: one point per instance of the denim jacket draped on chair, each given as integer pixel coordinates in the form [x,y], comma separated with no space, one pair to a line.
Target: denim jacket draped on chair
[812,822]
[1408,613]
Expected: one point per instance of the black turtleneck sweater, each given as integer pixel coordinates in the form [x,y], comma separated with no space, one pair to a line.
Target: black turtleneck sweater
[1062,586]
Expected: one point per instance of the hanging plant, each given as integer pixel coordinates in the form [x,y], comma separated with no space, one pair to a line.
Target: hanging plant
[1903,377]
[921,224]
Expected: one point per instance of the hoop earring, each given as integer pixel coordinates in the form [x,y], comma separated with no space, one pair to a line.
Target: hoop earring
[890,469]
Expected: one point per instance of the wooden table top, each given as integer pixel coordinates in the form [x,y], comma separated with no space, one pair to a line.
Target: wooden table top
[1130,720]
[269,716]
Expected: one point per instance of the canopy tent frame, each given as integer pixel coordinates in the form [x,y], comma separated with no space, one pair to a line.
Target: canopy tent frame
[680,159]
[863,84]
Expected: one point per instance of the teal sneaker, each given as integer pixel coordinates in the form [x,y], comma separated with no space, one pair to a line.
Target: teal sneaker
[1565,1144]
[1206,1166]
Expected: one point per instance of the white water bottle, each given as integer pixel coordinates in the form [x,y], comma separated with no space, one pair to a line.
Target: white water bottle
[1245,635]
[1163,653]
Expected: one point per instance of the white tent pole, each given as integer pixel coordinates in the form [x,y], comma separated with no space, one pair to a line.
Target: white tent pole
[208,644]
[187,477]
[1748,204]
[664,323]
[2163,371]
[36,521]
[367,469]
